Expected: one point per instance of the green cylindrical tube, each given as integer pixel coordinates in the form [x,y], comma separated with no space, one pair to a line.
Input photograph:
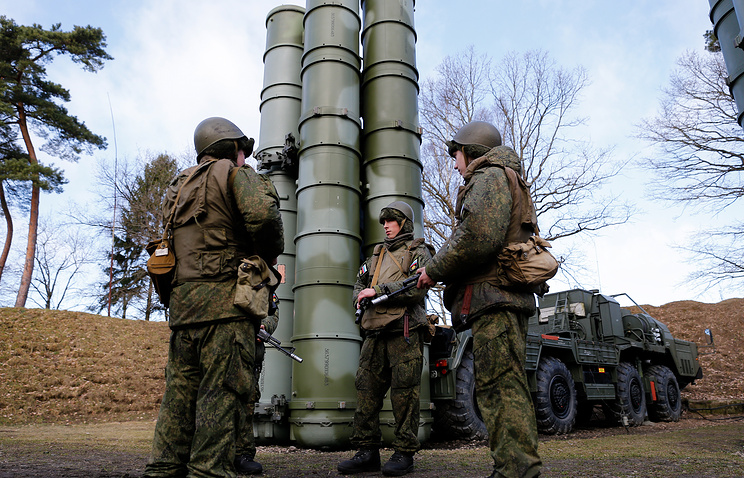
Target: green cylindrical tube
[328,227]
[723,15]
[280,113]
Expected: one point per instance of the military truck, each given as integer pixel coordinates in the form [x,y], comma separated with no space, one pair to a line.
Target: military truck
[583,350]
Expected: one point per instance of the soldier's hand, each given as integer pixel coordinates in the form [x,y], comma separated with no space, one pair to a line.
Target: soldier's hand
[424,281]
[257,339]
[367,293]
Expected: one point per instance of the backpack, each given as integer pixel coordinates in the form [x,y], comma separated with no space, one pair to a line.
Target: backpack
[525,265]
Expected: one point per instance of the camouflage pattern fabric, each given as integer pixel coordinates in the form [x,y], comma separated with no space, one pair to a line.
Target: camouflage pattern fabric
[246,443]
[498,317]
[218,226]
[225,213]
[483,213]
[387,361]
[209,375]
[503,393]
[412,300]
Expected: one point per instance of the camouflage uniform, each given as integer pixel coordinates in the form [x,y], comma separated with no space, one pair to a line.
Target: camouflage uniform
[388,359]
[498,316]
[221,218]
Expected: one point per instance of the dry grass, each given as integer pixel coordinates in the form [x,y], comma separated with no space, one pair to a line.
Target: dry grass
[71,367]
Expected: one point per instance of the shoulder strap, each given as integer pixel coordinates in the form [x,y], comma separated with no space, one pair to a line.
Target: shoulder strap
[376,275]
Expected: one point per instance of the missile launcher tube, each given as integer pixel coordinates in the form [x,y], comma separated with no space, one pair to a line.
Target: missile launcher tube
[328,236]
[280,112]
[392,134]
[728,30]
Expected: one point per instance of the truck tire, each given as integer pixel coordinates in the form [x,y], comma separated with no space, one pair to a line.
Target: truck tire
[668,404]
[460,418]
[631,399]
[555,400]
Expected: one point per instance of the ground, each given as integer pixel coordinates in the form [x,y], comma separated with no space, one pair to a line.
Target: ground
[79,394]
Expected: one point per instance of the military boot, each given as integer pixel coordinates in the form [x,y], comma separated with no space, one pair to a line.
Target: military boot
[399,464]
[364,460]
[245,465]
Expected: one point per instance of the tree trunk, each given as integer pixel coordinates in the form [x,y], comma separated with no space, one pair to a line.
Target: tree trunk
[148,309]
[28,265]
[33,221]
[9,226]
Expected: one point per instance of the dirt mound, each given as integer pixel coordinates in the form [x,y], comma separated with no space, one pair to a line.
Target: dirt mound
[722,378]
[72,367]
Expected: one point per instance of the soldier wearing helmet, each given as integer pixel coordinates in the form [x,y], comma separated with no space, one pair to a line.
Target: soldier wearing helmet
[220,212]
[477,297]
[392,351]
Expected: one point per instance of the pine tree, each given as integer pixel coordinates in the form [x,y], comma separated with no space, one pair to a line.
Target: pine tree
[29,100]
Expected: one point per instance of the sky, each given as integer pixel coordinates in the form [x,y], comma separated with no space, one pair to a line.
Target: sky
[162,83]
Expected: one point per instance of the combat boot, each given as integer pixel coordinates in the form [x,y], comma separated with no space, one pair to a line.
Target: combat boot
[399,464]
[245,465]
[364,460]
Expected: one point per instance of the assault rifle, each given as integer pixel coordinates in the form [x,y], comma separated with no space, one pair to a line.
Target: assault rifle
[271,340]
[408,284]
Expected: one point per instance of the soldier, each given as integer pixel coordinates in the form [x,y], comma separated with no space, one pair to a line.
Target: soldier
[467,264]
[223,212]
[392,352]
[245,451]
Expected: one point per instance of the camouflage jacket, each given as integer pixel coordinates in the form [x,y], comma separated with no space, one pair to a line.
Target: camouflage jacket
[483,212]
[388,315]
[224,214]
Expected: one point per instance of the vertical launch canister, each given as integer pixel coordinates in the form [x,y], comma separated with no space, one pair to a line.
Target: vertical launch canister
[391,142]
[328,236]
[276,156]
[392,135]
[725,16]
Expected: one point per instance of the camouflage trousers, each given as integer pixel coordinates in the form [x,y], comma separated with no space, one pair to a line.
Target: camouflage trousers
[387,361]
[246,443]
[499,349]
[208,376]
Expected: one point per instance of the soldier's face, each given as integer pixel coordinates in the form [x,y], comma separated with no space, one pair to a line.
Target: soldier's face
[460,163]
[392,228]
[241,158]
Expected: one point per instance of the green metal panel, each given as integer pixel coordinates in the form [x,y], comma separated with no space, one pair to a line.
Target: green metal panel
[280,112]
[728,31]
[328,238]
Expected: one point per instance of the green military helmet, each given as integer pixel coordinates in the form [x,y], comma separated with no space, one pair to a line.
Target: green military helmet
[394,210]
[212,130]
[476,133]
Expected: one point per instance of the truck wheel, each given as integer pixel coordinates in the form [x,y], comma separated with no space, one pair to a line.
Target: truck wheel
[460,418]
[631,399]
[555,400]
[668,405]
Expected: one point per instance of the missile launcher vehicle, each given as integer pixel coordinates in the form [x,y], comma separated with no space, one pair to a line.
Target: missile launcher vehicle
[583,350]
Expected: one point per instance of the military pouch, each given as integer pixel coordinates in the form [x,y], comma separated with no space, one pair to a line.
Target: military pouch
[528,265]
[161,267]
[256,284]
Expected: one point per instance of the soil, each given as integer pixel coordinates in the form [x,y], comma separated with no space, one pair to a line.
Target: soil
[694,447]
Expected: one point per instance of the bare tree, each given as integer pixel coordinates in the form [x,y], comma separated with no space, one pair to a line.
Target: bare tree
[532,102]
[61,256]
[535,102]
[700,159]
